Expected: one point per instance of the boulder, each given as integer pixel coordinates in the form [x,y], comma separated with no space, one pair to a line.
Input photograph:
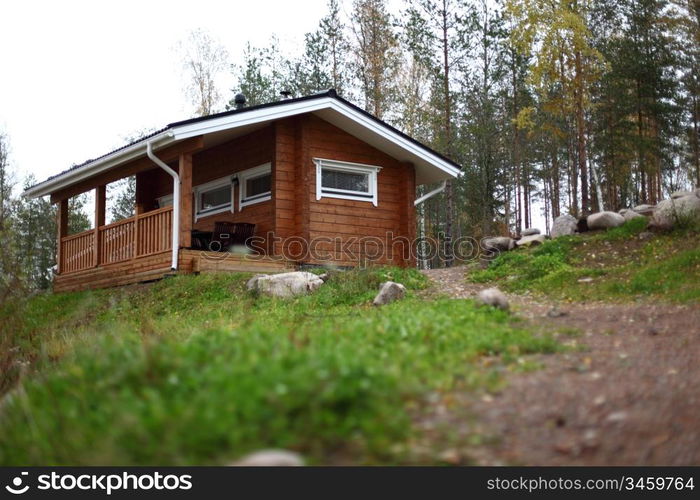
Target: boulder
[270,458]
[498,244]
[493,297]
[644,209]
[388,293]
[631,214]
[285,284]
[535,239]
[668,212]
[530,231]
[680,194]
[604,220]
[564,225]
[253,282]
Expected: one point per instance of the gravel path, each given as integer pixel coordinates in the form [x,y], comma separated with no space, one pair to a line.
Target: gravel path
[629,396]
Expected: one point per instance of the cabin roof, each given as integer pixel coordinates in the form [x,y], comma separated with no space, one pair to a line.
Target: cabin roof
[431,166]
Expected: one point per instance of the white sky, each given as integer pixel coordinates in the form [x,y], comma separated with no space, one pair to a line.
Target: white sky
[78,76]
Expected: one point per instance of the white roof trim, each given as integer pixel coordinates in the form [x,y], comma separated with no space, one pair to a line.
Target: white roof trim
[235,120]
[277,112]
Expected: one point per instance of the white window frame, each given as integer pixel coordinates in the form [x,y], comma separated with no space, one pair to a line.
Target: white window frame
[344,166]
[252,173]
[209,186]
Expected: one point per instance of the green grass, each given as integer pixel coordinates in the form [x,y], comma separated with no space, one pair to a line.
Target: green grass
[612,265]
[195,370]
[628,230]
[677,277]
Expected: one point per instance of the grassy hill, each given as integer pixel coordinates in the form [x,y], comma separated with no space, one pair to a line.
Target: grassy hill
[624,263]
[196,370]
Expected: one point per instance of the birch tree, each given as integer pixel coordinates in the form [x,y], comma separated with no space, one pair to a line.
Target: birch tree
[204,59]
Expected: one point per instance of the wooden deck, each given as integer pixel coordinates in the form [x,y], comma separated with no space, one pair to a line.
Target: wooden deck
[157,266]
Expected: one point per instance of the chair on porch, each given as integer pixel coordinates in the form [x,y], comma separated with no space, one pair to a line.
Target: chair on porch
[243,231]
[200,239]
[228,234]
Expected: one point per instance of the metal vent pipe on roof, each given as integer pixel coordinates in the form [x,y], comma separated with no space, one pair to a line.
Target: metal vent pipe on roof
[239,101]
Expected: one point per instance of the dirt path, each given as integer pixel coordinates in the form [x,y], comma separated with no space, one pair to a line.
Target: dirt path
[630,396]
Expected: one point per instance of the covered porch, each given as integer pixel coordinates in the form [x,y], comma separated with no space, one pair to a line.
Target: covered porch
[157,241]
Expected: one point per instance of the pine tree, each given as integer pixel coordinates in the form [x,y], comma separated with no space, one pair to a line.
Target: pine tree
[78,219]
[11,279]
[438,31]
[121,199]
[332,33]
[686,18]
[376,55]
[485,127]
[34,223]
[265,72]
[650,64]
[251,78]
[6,180]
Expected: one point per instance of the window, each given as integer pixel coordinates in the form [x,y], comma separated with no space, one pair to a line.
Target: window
[255,185]
[165,201]
[349,181]
[213,197]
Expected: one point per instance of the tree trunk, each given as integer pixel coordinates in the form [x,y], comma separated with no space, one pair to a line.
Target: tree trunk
[581,135]
[696,140]
[449,191]
[516,144]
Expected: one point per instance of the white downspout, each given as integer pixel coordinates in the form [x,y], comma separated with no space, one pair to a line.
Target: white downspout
[430,194]
[176,202]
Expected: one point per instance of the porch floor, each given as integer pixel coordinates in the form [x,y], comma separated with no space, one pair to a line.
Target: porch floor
[157,266]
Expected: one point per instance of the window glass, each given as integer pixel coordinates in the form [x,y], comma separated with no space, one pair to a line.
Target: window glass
[215,198]
[258,186]
[348,181]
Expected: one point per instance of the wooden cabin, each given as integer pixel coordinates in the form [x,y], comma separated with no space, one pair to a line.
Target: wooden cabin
[322,181]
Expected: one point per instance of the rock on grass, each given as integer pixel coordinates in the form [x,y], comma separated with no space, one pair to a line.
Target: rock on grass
[605,220]
[564,225]
[493,297]
[388,293]
[270,458]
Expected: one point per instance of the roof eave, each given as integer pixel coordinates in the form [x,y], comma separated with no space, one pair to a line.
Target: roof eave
[273,113]
[183,130]
[96,167]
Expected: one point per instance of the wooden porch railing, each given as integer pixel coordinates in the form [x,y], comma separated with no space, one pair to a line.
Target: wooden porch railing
[78,251]
[139,236]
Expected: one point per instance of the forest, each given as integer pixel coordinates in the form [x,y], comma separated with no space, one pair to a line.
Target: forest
[551,107]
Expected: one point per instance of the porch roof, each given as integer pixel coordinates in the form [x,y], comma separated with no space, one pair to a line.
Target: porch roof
[430,165]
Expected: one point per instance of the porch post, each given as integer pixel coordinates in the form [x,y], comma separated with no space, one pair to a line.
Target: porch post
[62,230]
[186,215]
[100,207]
